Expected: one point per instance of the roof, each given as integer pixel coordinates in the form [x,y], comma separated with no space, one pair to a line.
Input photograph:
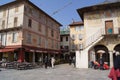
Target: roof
[108,4]
[76,23]
[33,5]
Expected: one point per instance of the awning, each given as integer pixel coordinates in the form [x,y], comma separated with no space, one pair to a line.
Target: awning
[7,50]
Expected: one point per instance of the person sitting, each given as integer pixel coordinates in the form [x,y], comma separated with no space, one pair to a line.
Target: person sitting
[105,66]
[96,65]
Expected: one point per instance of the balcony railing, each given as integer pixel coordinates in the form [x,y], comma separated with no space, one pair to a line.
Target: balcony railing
[94,37]
[98,34]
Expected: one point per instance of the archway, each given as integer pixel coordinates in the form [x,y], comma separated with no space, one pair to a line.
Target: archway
[116,49]
[104,53]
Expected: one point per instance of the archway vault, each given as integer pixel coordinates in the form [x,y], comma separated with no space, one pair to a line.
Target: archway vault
[117,47]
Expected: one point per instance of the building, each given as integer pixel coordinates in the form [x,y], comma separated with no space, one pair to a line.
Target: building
[65,43]
[76,36]
[102,33]
[27,32]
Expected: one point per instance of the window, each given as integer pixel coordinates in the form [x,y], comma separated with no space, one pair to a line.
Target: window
[66,47]
[73,36]
[29,38]
[2,39]
[39,41]
[39,27]
[66,38]
[61,47]
[80,36]
[46,43]
[15,21]
[52,44]
[52,33]
[30,23]
[3,24]
[79,28]
[16,9]
[80,46]
[14,38]
[30,10]
[73,46]
[4,13]
[61,38]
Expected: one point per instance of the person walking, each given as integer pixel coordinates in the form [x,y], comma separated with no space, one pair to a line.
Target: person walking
[74,61]
[101,63]
[52,62]
[115,71]
[46,62]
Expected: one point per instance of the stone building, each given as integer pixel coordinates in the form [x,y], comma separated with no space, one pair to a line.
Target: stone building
[27,32]
[102,33]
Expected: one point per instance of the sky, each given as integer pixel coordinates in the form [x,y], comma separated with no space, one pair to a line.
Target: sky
[66,9]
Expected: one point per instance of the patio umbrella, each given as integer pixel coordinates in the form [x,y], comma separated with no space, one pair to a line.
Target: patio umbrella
[100,51]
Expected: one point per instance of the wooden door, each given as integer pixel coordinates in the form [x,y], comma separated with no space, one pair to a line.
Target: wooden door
[109,27]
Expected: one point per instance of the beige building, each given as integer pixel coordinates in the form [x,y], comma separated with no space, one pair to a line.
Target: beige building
[102,33]
[76,36]
[27,32]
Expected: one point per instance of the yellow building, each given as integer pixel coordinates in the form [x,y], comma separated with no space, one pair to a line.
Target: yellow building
[76,36]
[102,33]
[27,32]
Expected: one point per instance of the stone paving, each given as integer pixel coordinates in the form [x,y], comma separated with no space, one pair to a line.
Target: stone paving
[60,72]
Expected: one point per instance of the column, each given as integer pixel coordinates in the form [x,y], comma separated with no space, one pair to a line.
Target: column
[111,59]
[33,57]
[21,56]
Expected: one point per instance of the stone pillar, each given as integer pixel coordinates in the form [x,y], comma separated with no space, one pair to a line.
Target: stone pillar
[33,57]
[21,56]
[111,59]
[78,59]
[82,59]
[93,55]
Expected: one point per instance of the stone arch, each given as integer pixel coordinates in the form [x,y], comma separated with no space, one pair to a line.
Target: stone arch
[117,47]
[104,55]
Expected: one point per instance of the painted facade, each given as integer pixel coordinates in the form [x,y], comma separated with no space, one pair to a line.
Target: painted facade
[102,28]
[77,36]
[26,30]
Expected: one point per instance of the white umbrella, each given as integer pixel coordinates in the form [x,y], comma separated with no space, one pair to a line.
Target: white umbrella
[100,51]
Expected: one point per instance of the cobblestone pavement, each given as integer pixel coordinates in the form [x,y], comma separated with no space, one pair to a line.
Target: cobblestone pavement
[60,72]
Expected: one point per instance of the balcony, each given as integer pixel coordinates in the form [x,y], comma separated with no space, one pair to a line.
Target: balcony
[10,29]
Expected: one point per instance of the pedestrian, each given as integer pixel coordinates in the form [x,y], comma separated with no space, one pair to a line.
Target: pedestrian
[52,62]
[70,60]
[101,63]
[91,64]
[73,60]
[46,62]
[115,71]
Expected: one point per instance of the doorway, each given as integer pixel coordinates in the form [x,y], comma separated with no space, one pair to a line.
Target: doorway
[109,27]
